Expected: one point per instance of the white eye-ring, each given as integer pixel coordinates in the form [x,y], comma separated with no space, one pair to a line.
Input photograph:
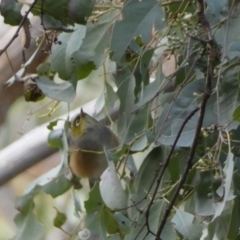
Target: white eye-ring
[77,122]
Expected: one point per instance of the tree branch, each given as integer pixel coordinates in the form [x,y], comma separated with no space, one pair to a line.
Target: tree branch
[19,28]
[206,95]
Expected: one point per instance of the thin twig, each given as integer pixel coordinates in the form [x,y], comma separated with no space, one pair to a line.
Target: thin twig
[19,28]
[166,164]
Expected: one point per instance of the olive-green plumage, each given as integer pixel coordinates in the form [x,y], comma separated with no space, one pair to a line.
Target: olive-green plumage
[88,139]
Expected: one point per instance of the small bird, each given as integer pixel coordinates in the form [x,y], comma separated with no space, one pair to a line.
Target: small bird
[88,140]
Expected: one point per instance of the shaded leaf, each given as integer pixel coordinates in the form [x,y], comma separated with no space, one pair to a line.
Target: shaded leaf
[51,23]
[110,222]
[187,136]
[216,6]
[225,191]
[80,10]
[23,204]
[28,227]
[11,11]
[51,125]
[61,58]
[204,203]
[183,222]
[234,48]
[215,229]
[139,18]
[76,201]
[94,207]
[55,138]
[123,222]
[57,186]
[111,189]
[58,91]
[91,54]
[49,7]
[236,114]
[59,219]
[155,215]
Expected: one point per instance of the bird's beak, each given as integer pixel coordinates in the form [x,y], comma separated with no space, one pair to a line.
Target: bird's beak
[82,113]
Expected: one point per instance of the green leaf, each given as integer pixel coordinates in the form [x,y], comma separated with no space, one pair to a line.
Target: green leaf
[51,23]
[144,65]
[52,124]
[59,219]
[58,91]
[44,68]
[125,84]
[94,219]
[216,6]
[28,227]
[144,179]
[91,54]
[236,114]
[229,94]
[139,19]
[80,10]
[76,202]
[173,114]
[56,9]
[57,186]
[220,33]
[150,90]
[123,222]
[183,222]
[155,215]
[141,72]
[23,204]
[219,227]
[140,144]
[110,222]
[204,205]
[11,11]
[111,189]
[55,138]
[130,124]
[234,220]
[225,189]
[94,203]
[186,138]
[234,48]
[61,58]
[137,125]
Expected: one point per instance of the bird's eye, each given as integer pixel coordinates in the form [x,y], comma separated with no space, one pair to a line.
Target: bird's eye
[77,122]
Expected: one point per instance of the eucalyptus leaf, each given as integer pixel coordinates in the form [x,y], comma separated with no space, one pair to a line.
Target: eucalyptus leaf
[228,171]
[55,138]
[58,91]
[49,7]
[80,10]
[183,222]
[138,20]
[28,227]
[216,6]
[11,11]
[111,189]
[59,219]
[186,137]
[234,48]
[61,58]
